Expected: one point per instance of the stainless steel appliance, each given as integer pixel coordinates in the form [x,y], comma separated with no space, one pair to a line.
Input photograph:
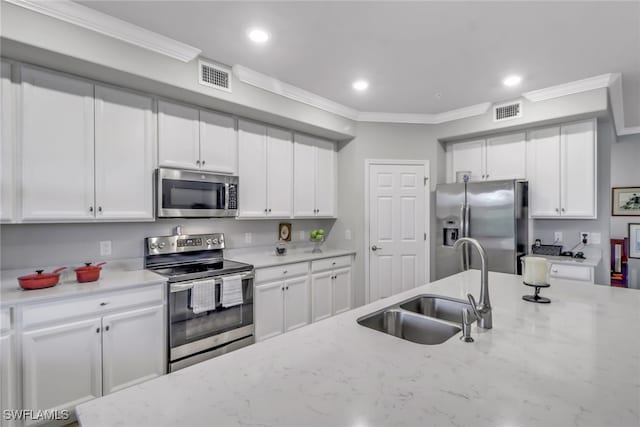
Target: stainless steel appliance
[494,213]
[185,260]
[194,194]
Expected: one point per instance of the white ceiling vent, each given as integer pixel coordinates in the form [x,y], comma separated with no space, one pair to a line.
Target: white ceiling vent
[511,110]
[214,75]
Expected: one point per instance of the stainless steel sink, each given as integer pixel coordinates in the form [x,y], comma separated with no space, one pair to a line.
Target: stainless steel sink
[409,326]
[439,307]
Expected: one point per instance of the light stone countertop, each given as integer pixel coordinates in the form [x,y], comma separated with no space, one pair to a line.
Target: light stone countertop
[575,361]
[110,280]
[266,257]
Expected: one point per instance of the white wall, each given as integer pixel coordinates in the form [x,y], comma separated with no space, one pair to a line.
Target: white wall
[625,172]
[37,245]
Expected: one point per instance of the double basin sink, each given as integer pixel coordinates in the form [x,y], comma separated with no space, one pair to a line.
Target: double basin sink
[424,319]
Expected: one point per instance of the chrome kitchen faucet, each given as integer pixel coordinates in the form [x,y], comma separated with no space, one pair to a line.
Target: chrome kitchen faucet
[482,311]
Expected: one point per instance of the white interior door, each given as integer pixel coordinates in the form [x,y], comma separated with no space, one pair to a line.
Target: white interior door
[279,173]
[397,220]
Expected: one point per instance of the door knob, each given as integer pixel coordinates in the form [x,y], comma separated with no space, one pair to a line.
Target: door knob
[375,248]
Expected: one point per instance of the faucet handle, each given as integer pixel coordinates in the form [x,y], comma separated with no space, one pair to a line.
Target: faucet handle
[466,326]
[474,306]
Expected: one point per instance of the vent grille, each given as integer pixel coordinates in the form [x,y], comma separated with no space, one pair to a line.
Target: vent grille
[214,75]
[508,111]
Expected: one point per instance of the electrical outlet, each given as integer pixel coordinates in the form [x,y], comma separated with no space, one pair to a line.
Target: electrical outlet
[557,236]
[596,239]
[585,237]
[301,234]
[347,234]
[105,248]
[248,238]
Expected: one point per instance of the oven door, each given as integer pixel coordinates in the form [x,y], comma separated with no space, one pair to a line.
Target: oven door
[193,334]
[184,194]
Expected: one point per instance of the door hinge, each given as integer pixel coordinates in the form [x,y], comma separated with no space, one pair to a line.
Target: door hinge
[425,180]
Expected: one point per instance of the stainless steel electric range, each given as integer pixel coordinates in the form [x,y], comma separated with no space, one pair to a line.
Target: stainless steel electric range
[185,260]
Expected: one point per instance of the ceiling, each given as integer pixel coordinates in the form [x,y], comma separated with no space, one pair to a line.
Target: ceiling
[419,57]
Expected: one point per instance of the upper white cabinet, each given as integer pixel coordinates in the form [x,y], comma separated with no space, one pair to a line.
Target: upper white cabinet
[265,171]
[124,183]
[57,147]
[178,136]
[315,177]
[495,158]
[218,143]
[7,143]
[190,138]
[562,165]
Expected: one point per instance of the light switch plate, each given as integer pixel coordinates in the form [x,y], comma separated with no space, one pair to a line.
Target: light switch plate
[596,239]
[347,234]
[105,248]
[301,234]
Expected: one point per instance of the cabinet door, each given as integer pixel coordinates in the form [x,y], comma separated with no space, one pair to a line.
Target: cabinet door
[62,365]
[321,295]
[342,290]
[133,347]
[279,173]
[7,143]
[506,157]
[544,172]
[124,155]
[252,155]
[296,303]
[578,170]
[218,143]
[468,157]
[178,136]
[8,389]
[304,176]
[326,179]
[57,147]
[268,310]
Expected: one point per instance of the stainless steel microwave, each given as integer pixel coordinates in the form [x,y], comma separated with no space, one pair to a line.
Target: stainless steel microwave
[194,194]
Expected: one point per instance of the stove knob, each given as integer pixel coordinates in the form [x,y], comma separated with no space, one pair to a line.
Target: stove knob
[208,241]
[153,246]
[161,245]
[215,241]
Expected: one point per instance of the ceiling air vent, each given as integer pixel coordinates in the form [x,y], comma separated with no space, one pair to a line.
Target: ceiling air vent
[214,75]
[509,111]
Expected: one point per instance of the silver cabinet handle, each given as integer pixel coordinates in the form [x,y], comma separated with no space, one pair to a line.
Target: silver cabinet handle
[483,176]
[269,210]
[265,210]
[90,208]
[106,328]
[97,330]
[285,272]
[562,209]
[198,162]
[557,210]
[375,248]
[487,175]
[203,162]
[103,303]
[100,209]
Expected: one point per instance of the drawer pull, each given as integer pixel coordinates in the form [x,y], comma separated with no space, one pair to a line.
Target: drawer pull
[97,330]
[285,272]
[103,303]
[106,328]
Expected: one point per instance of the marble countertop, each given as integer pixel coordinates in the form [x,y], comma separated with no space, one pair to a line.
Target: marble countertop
[110,280]
[575,361]
[266,257]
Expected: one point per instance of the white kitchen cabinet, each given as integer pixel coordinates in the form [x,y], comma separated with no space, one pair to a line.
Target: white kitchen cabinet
[562,177]
[341,290]
[315,177]
[282,302]
[178,136]
[124,166]
[62,365]
[130,347]
[321,295]
[218,143]
[580,273]
[496,158]
[57,146]
[265,171]
[7,144]
[8,385]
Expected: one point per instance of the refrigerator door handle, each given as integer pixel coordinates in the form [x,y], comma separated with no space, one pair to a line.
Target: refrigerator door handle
[467,248]
[464,225]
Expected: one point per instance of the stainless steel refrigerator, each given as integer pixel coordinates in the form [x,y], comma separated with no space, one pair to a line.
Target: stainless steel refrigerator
[493,212]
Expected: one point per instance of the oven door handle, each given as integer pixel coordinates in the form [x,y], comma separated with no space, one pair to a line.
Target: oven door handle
[179,287]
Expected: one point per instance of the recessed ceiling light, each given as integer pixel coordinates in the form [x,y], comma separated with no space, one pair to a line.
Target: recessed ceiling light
[512,80]
[360,85]
[258,35]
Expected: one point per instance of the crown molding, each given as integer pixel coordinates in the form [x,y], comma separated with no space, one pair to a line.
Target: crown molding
[426,119]
[108,25]
[570,88]
[270,84]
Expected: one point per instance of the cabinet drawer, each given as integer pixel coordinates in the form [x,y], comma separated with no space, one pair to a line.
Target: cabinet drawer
[94,305]
[329,263]
[571,272]
[5,320]
[281,272]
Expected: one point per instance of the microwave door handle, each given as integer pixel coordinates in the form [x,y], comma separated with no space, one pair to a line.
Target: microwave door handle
[226,195]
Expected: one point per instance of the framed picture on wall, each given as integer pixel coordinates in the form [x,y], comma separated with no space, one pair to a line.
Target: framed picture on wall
[625,201]
[634,240]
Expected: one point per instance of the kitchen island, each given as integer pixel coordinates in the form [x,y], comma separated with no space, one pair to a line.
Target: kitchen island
[575,361]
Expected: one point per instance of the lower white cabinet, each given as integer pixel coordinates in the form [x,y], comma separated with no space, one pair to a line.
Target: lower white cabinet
[8,385]
[281,306]
[79,359]
[330,293]
[581,273]
[341,290]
